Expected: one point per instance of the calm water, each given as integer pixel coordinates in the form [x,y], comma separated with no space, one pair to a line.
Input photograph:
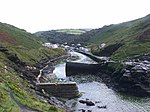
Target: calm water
[93,89]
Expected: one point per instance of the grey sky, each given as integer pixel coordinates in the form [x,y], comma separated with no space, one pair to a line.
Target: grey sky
[39,15]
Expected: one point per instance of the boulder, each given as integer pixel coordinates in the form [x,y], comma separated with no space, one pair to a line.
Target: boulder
[87,102]
[90,103]
[104,107]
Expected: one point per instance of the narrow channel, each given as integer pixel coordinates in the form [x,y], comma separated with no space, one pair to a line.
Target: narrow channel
[91,87]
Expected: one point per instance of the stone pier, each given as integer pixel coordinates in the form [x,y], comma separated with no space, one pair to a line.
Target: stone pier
[73,68]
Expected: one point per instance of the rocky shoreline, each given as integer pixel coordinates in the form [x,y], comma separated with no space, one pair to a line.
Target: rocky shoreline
[47,67]
[131,77]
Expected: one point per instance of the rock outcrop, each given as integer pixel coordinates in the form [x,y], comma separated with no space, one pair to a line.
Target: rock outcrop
[132,77]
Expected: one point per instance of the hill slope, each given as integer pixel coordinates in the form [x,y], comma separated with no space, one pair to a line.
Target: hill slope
[19,49]
[61,36]
[123,40]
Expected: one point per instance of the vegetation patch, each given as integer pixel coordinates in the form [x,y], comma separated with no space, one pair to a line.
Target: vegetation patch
[4,37]
[145,36]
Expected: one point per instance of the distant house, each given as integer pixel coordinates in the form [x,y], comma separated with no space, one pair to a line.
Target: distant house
[50,45]
[67,47]
[47,44]
[102,45]
[84,49]
[78,45]
[65,43]
[55,46]
[72,45]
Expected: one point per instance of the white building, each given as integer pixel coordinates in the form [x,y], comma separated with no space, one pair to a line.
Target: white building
[78,45]
[50,45]
[102,45]
[54,46]
[84,49]
[47,44]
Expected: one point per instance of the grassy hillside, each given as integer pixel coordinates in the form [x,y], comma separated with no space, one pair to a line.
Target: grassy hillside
[25,45]
[16,48]
[123,40]
[55,36]
[61,36]
[72,31]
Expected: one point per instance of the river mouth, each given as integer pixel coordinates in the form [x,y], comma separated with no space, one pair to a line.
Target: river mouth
[92,88]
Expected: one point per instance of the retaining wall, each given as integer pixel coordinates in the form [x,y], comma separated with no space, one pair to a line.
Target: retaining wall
[64,90]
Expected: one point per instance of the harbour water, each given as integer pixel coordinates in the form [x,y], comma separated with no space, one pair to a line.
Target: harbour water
[92,88]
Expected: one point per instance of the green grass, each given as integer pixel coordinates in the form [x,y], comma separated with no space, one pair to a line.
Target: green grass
[125,33]
[33,55]
[72,31]
[11,82]
[130,50]
[6,103]
[29,50]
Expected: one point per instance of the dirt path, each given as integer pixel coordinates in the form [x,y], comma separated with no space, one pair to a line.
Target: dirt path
[40,74]
[22,107]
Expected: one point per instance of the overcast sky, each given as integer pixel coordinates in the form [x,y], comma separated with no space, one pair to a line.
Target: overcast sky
[39,15]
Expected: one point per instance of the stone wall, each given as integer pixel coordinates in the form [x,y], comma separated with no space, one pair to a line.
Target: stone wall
[73,68]
[64,90]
